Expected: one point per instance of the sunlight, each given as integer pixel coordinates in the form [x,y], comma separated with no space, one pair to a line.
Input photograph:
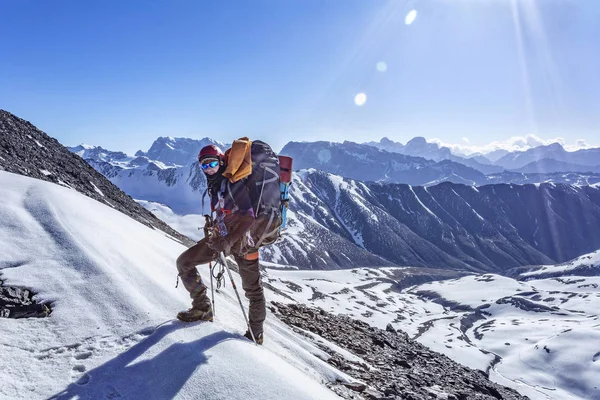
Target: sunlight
[529,27]
[360,99]
[549,70]
[523,68]
[410,17]
[381,66]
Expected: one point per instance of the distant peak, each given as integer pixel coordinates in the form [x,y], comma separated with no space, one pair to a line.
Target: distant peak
[417,140]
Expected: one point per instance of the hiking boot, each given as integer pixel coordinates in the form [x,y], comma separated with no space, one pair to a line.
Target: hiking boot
[195,314]
[258,336]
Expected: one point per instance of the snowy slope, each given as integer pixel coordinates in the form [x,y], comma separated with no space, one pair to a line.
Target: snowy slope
[189,224]
[540,337]
[111,333]
[543,333]
[586,265]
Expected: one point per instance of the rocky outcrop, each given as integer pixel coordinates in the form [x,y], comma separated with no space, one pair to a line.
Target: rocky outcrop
[17,302]
[388,364]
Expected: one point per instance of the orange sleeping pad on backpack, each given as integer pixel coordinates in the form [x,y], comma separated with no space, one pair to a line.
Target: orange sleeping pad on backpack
[239,160]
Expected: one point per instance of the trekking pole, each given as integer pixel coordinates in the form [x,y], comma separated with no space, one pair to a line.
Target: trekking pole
[212,291]
[224,262]
[208,225]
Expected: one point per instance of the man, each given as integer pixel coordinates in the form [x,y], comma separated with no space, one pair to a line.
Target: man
[234,217]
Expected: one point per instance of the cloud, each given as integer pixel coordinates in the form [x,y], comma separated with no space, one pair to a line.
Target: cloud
[515,143]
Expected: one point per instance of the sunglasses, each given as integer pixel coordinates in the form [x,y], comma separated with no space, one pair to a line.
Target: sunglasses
[210,164]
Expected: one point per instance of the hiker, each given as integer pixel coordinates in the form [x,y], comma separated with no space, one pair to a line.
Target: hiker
[235,216]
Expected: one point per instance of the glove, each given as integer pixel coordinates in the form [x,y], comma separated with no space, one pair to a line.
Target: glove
[219,244]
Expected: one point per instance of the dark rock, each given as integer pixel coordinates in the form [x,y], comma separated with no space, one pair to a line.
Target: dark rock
[356,386]
[403,368]
[17,302]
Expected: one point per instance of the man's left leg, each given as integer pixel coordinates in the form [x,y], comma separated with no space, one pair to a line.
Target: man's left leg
[252,285]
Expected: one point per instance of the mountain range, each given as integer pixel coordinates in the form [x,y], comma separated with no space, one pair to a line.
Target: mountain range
[542,159]
[489,228]
[369,222]
[536,333]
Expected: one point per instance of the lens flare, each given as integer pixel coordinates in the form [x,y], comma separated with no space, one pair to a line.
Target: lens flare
[410,17]
[360,99]
[381,66]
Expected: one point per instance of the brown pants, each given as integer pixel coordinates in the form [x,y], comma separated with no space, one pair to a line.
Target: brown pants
[249,272]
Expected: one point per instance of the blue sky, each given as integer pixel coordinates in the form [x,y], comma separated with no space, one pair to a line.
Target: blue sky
[121,73]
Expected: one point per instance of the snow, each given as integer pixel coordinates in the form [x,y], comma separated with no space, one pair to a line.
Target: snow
[174,188]
[339,184]
[518,336]
[189,224]
[512,336]
[45,172]
[351,223]
[421,203]
[590,260]
[36,141]
[111,333]
[96,189]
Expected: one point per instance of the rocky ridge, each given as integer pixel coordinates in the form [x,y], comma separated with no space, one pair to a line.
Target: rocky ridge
[387,363]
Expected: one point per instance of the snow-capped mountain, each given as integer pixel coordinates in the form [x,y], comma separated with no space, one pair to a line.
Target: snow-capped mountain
[111,334]
[181,188]
[97,153]
[539,337]
[165,152]
[490,228]
[446,225]
[419,147]
[367,163]
[177,151]
[554,151]
[542,159]
[26,150]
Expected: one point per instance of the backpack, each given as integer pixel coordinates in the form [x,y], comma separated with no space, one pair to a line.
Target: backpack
[264,187]
[268,185]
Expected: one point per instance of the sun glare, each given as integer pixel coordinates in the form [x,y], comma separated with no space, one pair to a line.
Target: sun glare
[360,99]
[381,66]
[410,17]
